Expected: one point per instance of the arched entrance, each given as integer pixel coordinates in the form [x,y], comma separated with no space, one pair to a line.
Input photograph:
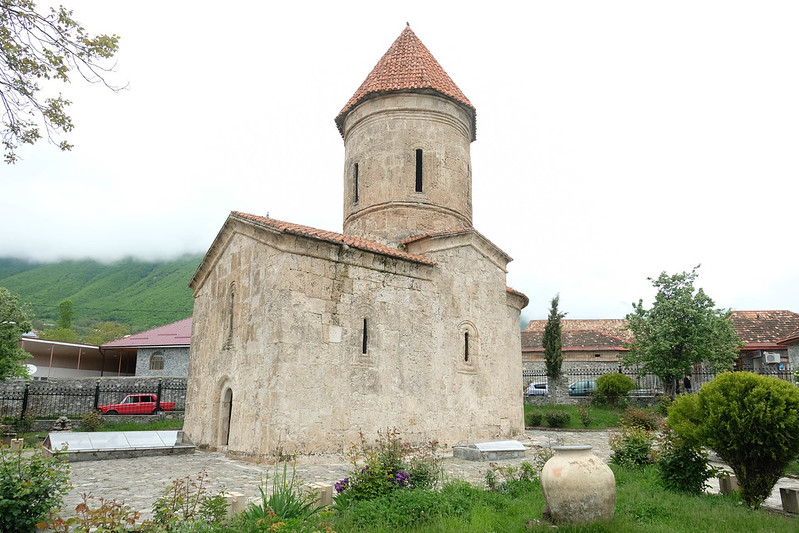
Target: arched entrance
[225,414]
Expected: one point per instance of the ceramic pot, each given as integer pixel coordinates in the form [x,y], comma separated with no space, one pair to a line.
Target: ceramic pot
[578,486]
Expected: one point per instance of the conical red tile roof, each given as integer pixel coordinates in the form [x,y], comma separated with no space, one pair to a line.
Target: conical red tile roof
[407,65]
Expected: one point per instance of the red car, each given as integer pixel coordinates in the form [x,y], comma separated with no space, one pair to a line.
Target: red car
[136,404]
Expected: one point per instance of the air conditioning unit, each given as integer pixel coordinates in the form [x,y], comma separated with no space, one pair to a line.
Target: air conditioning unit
[772,357]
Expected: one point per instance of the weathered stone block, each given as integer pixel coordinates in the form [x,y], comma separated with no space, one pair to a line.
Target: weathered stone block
[790,499]
[728,483]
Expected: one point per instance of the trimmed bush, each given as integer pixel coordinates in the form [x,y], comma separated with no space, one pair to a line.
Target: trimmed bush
[632,447]
[642,418]
[750,421]
[533,418]
[611,387]
[557,419]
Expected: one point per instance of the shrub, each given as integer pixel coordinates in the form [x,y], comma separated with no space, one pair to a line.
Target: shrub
[557,419]
[585,416]
[110,517]
[533,418]
[643,418]
[632,447]
[611,387]
[386,466]
[663,405]
[683,467]
[750,421]
[24,424]
[90,421]
[187,500]
[31,485]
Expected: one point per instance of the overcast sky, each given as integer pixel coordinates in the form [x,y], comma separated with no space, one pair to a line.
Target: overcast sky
[615,140]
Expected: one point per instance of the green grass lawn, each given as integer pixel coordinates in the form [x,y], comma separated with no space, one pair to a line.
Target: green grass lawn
[35,437]
[602,417]
[641,505]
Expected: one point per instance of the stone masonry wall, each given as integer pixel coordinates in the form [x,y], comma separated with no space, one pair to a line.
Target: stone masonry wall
[176,361]
[294,362]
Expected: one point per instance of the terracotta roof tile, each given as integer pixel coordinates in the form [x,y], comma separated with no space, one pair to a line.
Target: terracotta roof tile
[760,329]
[175,334]
[573,340]
[407,66]
[615,327]
[330,236]
[792,338]
[452,232]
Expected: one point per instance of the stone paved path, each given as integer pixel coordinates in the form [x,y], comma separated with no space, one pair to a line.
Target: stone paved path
[138,482]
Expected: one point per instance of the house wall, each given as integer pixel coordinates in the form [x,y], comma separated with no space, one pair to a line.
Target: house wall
[294,362]
[176,361]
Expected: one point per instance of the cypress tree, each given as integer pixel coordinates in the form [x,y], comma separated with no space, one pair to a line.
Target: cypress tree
[553,355]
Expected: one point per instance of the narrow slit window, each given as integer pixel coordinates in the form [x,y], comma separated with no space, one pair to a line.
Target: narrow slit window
[231,302]
[355,175]
[363,342]
[466,347]
[419,170]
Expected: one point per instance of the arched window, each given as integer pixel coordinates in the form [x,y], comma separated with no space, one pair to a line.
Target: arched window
[470,345]
[231,302]
[157,361]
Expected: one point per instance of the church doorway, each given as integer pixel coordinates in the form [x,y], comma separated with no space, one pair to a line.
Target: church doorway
[225,414]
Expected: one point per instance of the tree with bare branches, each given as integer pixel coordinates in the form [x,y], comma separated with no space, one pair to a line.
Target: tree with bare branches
[36,49]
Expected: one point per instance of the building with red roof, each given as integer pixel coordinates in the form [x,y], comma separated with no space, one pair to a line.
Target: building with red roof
[304,339]
[163,351]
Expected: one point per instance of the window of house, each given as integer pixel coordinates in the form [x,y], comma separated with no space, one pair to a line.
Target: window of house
[157,361]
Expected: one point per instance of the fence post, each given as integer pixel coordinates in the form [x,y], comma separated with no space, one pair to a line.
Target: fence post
[158,395]
[25,400]
[96,394]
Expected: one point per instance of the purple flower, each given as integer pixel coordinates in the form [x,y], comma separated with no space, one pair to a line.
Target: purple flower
[342,485]
[403,479]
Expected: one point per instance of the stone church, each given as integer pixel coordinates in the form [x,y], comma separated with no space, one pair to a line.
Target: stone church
[304,338]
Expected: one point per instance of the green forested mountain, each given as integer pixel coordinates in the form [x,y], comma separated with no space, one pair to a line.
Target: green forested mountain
[139,294]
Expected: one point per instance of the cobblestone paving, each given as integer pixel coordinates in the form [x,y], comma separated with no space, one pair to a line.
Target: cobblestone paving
[138,482]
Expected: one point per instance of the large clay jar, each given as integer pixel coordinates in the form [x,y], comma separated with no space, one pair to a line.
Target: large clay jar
[579,488]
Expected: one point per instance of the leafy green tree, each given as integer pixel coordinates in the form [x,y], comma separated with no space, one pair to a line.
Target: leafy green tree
[59,334]
[65,314]
[37,48]
[681,329]
[63,330]
[750,421]
[553,355]
[15,319]
[103,332]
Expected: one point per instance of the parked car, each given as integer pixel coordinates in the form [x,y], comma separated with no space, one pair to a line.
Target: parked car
[136,404]
[537,389]
[643,393]
[582,387]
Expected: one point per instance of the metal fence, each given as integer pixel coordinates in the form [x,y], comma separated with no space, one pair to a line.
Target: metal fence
[58,401]
[649,383]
